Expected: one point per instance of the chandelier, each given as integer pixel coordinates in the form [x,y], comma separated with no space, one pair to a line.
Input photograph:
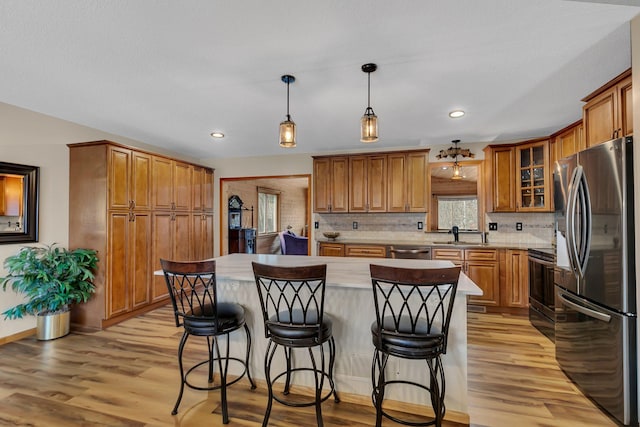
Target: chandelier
[455,151]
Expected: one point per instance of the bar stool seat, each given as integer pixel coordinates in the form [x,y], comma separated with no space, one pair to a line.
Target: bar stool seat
[292,302]
[194,297]
[413,309]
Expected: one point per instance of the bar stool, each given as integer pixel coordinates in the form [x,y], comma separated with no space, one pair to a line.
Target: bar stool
[413,309]
[192,287]
[292,301]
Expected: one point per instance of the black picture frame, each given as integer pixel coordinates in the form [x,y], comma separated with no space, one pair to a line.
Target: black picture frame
[30,200]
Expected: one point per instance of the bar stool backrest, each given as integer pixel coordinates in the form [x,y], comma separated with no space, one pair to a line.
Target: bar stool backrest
[192,287]
[291,296]
[414,301]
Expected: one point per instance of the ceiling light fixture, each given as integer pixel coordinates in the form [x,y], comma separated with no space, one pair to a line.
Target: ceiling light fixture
[217,135]
[288,127]
[369,121]
[455,151]
[456,114]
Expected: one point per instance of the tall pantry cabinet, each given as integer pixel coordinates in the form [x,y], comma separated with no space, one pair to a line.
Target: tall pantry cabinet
[133,207]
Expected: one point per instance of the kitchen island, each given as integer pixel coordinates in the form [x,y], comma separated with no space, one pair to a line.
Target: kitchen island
[349,301]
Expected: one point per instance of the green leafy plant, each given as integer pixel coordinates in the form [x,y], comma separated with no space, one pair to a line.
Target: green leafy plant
[50,277]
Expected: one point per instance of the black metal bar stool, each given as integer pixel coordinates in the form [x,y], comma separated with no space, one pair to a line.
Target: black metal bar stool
[292,301]
[192,286]
[413,309]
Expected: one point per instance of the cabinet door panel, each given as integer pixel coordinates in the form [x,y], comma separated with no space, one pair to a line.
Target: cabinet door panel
[358,184]
[162,247]
[600,118]
[182,186]
[625,96]
[141,180]
[417,181]
[504,180]
[340,184]
[139,258]
[377,183]
[119,181]
[321,185]
[207,190]
[396,187]
[516,289]
[487,277]
[182,236]
[162,172]
[118,295]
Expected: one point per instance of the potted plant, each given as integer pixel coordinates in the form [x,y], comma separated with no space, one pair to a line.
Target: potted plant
[51,278]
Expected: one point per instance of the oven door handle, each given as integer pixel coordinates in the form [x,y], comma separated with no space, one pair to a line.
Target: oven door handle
[584,310]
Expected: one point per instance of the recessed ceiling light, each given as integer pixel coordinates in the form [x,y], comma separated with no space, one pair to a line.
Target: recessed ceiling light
[456,113]
[217,134]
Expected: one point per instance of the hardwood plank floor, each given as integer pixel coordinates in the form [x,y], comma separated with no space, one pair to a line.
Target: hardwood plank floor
[127,376]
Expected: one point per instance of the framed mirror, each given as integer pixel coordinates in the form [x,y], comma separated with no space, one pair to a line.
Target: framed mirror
[19,187]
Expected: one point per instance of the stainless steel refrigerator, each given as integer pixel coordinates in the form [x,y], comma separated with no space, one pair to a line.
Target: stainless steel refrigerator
[596,316]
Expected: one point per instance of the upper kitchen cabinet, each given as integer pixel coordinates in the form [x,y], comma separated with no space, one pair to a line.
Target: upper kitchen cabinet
[518,177]
[608,112]
[202,189]
[331,184]
[408,181]
[171,189]
[567,141]
[129,178]
[368,183]
[533,188]
[500,166]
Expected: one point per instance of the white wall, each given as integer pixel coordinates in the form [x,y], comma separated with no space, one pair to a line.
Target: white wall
[39,140]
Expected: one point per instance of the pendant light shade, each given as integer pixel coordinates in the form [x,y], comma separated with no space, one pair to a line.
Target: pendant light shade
[288,127]
[457,171]
[369,121]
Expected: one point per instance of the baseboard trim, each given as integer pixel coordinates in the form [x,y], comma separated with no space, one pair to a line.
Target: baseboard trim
[17,336]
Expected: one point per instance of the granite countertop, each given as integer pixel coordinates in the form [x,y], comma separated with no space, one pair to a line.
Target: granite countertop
[436,244]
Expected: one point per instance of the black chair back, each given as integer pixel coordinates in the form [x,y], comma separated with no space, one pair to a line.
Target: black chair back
[413,302]
[192,287]
[292,298]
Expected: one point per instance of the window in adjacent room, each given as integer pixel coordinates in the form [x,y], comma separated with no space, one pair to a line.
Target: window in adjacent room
[268,210]
[458,210]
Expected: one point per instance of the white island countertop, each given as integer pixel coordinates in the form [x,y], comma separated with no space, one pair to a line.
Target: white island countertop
[346,272]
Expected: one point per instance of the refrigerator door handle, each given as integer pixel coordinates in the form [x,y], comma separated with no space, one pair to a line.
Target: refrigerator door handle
[570,220]
[584,198]
[584,310]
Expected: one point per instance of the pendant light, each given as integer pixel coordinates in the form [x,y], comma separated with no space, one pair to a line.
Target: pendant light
[369,121]
[288,127]
[454,151]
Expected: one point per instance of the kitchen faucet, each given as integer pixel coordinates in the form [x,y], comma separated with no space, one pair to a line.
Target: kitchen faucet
[456,233]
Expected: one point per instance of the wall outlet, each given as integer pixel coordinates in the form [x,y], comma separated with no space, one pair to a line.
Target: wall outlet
[518,226]
[355,225]
[316,225]
[420,225]
[493,226]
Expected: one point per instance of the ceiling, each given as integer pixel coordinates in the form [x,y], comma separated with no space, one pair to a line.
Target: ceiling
[168,73]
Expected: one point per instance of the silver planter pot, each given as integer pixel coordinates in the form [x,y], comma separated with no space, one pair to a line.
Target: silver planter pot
[52,326]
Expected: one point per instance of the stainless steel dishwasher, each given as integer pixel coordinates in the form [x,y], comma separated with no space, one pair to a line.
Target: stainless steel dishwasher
[409,251]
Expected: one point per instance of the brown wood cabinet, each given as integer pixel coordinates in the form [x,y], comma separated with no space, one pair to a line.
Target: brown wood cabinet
[330,249]
[567,141]
[514,279]
[408,178]
[381,182]
[518,177]
[368,183]
[481,265]
[608,112]
[134,207]
[331,184]
[366,251]
[500,180]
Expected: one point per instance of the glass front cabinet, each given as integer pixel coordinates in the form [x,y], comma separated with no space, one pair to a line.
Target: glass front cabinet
[534,177]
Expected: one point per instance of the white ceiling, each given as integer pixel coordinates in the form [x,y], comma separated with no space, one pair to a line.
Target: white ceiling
[168,73]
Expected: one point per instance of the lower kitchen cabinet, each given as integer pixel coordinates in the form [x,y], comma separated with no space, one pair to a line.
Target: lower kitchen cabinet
[171,240]
[365,251]
[330,249]
[515,279]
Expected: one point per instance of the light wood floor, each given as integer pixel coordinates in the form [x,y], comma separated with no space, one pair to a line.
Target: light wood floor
[126,376]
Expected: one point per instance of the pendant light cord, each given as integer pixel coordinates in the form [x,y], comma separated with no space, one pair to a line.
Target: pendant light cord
[288,116]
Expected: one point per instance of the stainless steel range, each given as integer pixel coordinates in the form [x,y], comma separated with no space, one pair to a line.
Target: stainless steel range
[541,290]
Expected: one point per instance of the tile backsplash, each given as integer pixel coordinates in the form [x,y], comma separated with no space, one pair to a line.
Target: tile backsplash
[537,228]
